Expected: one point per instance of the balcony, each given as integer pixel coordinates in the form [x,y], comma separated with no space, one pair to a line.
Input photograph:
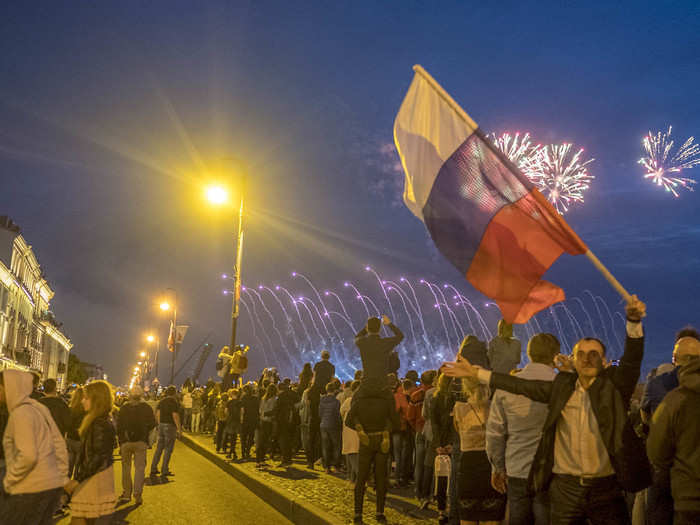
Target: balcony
[47,316]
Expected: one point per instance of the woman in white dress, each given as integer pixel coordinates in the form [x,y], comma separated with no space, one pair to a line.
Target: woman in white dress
[92,489]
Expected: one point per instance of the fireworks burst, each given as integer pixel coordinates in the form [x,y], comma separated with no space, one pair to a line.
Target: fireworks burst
[660,164]
[561,177]
[519,149]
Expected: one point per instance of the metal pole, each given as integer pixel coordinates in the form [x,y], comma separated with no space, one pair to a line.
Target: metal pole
[175,344]
[155,375]
[237,268]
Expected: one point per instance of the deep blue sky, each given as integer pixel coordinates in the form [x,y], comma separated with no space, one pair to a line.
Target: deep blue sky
[109,112]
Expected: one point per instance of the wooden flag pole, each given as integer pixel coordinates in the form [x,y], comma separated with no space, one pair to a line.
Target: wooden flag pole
[463,114]
[608,276]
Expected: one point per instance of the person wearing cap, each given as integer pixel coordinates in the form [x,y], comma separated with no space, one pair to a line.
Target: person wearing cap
[134,424]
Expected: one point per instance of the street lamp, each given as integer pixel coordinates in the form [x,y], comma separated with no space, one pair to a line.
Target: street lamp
[167,306]
[217,195]
[150,338]
[142,354]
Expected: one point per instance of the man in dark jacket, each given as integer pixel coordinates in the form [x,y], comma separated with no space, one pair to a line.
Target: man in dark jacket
[659,500]
[331,426]
[674,436]
[375,352]
[588,452]
[374,450]
[287,421]
[134,424]
[251,405]
[324,370]
[57,406]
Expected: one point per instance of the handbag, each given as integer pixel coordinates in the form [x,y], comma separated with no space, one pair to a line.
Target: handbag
[442,467]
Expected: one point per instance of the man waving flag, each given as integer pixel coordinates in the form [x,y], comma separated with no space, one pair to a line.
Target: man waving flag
[481,211]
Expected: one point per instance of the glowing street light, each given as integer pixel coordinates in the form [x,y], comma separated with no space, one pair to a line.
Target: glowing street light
[150,338]
[167,306]
[216,195]
[143,354]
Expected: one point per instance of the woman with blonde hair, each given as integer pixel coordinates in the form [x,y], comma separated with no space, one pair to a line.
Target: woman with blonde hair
[479,503]
[92,488]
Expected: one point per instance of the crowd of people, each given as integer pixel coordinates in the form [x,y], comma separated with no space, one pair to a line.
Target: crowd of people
[563,440]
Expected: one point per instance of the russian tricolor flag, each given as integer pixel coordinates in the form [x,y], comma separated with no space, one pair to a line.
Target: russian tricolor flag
[483,214]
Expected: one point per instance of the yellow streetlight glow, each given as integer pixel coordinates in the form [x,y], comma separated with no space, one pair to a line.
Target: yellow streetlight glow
[216,195]
[136,369]
[150,338]
[143,354]
[165,306]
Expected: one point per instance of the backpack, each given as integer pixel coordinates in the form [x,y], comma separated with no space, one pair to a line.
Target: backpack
[240,361]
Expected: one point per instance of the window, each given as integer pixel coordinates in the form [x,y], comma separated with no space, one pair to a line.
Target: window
[4,297]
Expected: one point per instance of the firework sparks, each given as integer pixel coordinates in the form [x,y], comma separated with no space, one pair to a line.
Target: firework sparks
[560,176]
[661,165]
[519,149]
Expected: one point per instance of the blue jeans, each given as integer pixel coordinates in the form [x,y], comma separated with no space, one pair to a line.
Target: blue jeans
[166,442]
[420,470]
[526,509]
[331,446]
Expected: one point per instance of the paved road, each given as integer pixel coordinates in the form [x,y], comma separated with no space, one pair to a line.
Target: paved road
[199,493]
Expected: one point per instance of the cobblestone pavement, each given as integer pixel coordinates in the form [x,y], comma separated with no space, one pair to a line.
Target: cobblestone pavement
[331,492]
[199,493]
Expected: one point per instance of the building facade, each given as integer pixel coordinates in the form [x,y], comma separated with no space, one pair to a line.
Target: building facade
[30,336]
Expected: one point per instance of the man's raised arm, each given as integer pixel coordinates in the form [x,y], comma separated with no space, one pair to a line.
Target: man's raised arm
[626,374]
[536,390]
[398,334]
[361,334]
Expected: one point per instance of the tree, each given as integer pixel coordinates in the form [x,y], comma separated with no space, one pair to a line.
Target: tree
[76,370]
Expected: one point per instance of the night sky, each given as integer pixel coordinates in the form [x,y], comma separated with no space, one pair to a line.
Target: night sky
[112,116]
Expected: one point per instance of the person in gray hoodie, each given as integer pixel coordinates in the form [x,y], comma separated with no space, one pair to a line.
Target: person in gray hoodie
[674,435]
[35,453]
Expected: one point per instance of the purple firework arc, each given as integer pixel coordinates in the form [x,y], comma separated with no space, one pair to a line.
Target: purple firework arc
[434,317]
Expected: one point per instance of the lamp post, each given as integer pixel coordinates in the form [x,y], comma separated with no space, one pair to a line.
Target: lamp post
[150,338]
[217,195]
[166,306]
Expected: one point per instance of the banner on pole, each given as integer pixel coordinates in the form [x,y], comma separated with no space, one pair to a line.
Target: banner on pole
[180,333]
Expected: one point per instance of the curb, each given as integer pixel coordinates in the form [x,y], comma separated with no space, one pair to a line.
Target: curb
[295,509]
